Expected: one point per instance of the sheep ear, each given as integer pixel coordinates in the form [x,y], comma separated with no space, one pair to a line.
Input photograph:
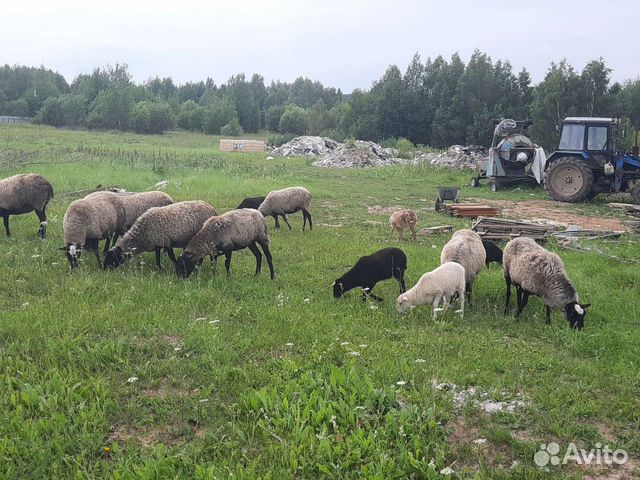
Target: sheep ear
[64,249]
[585,306]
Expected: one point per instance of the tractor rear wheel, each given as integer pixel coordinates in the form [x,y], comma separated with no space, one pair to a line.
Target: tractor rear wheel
[568,179]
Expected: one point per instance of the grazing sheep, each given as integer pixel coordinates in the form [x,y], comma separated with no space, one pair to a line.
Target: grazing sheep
[494,254]
[25,193]
[371,269]
[402,219]
[161,227]
[251,202]
[224,234]
[288,200]
[443,283]
[537,271]
[135,204]
[465,248]
[87,221]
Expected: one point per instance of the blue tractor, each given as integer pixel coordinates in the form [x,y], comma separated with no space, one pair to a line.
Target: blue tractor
[589,161]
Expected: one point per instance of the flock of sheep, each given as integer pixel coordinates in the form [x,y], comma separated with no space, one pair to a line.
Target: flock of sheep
[132,223]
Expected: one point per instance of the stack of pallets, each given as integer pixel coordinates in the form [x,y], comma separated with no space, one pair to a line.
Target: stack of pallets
[503,229]
[469,210]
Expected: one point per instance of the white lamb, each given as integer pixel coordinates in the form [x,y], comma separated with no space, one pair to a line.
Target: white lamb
[443,283]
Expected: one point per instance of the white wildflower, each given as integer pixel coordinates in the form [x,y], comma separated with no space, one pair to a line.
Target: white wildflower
[289,344]
[342,344]
[480,441]
[132,379]
[354,354]
[214,321]
[306,300]
[373,307]
[35,256]
[432,464]
[25,304]
[201,319]
[447,471]
[420,360]
[204,400]
[363,345]
[401,383]
[177,349]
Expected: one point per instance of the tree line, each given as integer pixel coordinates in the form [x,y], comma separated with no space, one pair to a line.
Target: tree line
[438,102]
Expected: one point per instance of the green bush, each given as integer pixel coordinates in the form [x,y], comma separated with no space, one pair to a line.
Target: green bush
[272,117]
[151,117]
[232,129]
[294,120]
[50,113]
[281,139]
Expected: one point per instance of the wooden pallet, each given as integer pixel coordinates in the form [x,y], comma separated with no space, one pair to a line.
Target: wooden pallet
[469,210]
[504,229]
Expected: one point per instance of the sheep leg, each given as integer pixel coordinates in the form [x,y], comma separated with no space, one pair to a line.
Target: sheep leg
[170,254]
[284,217]
[158,251]
[468,288]
[267,253]
[107,244]
[548,320]
[508,294]
[254,249]
[461,299]
[434,305]
[413,232]
[277,222]
[42,216]
[401,236]
[367,291]
[518,296]
[305,213]
[5,219]
[93,246]
[400,278]
[227,261]
[525,299]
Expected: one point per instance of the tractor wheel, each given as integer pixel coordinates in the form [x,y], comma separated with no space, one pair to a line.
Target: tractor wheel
[568,179]
[635,193]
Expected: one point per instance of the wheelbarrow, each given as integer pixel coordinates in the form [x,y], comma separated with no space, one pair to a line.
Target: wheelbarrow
[446,193]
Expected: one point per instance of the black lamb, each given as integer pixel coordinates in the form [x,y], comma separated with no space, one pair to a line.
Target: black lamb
[371,269]
[494,253]
[251,202]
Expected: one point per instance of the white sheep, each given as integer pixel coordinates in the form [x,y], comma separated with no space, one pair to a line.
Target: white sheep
[225,234]
[403,219]
[285,201]
[443,283]
[465,248]
[537,271]
[25,193]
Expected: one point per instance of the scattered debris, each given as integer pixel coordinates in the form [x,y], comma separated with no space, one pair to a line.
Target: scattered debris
[434,230]
[469,210]
[504,229]
[306,146]
[578,234]
[456,156]
[482,400]
[98,188]
[361,154]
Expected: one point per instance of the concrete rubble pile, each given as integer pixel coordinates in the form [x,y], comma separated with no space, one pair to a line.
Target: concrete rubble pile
[457,156]
[306,146]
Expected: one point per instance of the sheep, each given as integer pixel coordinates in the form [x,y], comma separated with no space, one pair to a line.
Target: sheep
[224,234]
[465,248]
[135,204]
[537,271]
[25,193]
[494,254]
[172,226]
[288,200]
[87,221]
[251,202]
[403,219]
[371,269]
[444,283]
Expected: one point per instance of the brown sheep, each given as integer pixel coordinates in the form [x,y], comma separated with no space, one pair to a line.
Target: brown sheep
[403,219]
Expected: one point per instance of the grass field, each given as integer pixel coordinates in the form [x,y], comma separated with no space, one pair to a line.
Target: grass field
[245,377]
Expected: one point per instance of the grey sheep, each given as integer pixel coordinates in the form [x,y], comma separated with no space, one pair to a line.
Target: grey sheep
[172,226]
[285,201]
[444,283]
[224,234]
[135,204]
[537,271]
[465,248]
[25,193]
[96,217]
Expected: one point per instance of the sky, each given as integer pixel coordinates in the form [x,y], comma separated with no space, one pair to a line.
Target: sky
[346,44]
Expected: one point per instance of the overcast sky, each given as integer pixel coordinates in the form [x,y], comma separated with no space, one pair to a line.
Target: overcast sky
[344,43]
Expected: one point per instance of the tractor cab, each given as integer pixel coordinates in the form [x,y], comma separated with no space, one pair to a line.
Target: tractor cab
[588,161]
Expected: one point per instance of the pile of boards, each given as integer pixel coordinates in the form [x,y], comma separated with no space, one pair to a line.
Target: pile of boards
[469,210]
[632,211]
[503,229]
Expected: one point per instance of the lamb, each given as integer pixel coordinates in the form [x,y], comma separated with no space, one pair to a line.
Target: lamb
[444,283]
[251,202]
[537,271]
[172,226]
[25,193]
[402,219]
[465,248]
[371,269]
[224,234]
[87,221]
[494,254]
[288,200]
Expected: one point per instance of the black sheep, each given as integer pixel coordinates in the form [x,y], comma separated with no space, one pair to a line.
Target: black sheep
[251,202]
[371,269]
[494,254]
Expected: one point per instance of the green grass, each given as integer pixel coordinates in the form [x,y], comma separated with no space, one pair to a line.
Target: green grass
[248,378]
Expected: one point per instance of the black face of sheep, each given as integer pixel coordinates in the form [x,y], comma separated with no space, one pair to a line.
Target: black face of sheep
[338,289]
[494,253]
[575,313]
[72,252]
[114,258]
[185,265]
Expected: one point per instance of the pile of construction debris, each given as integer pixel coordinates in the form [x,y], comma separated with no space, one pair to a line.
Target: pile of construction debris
[456,156]
[306,146]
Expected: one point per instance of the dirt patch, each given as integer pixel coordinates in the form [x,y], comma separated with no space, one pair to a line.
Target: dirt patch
[165,390]
[380,210]
[148,435]
[628,471]
[556,213]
